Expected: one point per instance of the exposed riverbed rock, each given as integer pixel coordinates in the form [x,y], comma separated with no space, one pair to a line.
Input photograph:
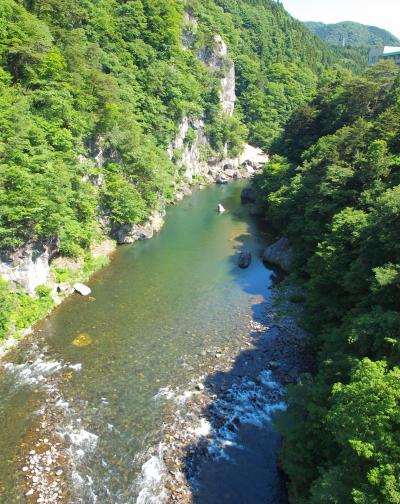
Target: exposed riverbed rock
[280,254]
[244,260]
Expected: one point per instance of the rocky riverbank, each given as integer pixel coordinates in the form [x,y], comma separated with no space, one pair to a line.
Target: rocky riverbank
[236,389]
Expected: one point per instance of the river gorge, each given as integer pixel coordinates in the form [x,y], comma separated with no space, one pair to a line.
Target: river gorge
[157,387]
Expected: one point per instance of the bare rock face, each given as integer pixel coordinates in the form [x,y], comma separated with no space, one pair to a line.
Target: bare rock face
[280,254]
[29,266]
[221,61]
[193,156]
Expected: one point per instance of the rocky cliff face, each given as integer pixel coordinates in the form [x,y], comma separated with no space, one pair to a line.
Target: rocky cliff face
[219,61]
[192,156]
[29,266]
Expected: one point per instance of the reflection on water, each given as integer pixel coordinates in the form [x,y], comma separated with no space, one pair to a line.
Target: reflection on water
[156,308]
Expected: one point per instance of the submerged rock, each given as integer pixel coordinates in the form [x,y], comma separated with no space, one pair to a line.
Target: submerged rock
[82,289]
[244,260]
[82,340]
[221,209]
[280,254]
[274,364]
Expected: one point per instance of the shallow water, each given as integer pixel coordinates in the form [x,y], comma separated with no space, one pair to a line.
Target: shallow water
[151,315]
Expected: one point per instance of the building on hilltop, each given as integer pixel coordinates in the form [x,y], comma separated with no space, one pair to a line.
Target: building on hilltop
[384,53]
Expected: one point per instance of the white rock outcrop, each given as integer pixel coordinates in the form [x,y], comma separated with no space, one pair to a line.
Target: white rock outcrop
[29,266]
[192,156]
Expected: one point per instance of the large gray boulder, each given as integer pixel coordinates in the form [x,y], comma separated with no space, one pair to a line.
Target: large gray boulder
[279,254]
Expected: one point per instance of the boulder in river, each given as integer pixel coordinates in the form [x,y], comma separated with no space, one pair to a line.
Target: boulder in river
[280,254]
[82,289]
[221,209]
[222,179]
[244,260]
[230,172]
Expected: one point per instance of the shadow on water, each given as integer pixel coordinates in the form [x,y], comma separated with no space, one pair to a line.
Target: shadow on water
[243,464]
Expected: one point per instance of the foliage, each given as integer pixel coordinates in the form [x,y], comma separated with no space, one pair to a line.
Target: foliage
[73,275]
[352,34]
[276,59]
[339,204]
[92,91]
[19,310]
[110,80]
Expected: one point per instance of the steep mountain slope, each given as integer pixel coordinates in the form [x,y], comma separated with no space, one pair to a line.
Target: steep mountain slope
[95,93]
[352,34]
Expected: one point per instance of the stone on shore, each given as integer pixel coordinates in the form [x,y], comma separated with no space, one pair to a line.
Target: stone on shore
[82,289]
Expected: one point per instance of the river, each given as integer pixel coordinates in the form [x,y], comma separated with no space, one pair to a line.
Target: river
[87,383]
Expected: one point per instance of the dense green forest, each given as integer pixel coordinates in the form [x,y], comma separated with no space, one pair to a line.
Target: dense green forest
[333,188]
[111,80]
[352,34]
[352,41]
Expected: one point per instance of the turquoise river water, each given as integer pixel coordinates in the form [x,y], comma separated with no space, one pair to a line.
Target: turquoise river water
[152,314]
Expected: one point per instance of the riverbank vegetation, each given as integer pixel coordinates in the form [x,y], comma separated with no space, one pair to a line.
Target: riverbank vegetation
[336,196]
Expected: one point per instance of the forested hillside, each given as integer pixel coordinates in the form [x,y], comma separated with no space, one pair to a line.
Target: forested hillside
[352,34]
[92,94]
[336,196]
